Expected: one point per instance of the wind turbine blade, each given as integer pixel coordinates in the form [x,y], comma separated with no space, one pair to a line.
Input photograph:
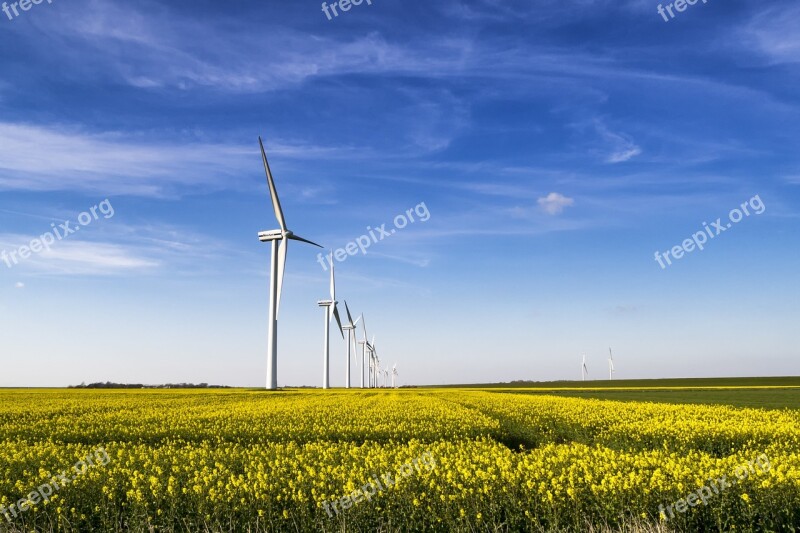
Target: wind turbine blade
[349,316]
[298,238]
[357,320]
[283,248]
[338,320]
[276,203]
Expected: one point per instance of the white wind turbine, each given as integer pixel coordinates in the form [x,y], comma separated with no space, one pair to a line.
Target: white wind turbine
[374,366]
[394,376]
[584,369]
[280,241]
[364,345]
[331,311]
[351,341]
[371,372]
[610,364]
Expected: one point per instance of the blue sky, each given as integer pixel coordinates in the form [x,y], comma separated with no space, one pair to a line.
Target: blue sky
[556,144]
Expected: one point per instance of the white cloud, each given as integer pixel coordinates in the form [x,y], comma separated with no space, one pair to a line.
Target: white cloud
[554,203]
[19,285]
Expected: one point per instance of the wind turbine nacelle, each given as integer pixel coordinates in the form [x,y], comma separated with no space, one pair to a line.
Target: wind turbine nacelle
[271,235]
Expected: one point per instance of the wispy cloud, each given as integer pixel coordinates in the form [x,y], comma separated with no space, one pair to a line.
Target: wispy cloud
[42,158]
[78,258]
[773,32]
[48,158]
[624,310]
[621,147]
[155,48]
[120,249]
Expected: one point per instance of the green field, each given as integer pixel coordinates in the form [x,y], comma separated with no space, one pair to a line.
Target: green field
[755,398]
[785,381]
[765,393]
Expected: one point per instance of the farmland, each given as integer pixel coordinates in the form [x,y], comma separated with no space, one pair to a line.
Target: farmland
[395,460]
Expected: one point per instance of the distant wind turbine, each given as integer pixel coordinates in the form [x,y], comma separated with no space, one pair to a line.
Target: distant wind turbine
[280,240]
[610,364]
[331,311]
[394,376]
[351,340]
[584,369]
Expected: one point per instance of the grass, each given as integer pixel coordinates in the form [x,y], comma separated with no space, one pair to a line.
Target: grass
[786,381]
[763,392]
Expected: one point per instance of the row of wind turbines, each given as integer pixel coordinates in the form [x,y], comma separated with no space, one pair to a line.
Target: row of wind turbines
[611,370]
[377,377]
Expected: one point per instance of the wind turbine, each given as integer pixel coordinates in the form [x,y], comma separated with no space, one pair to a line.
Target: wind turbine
[584,369]
[610,364]
[374,363]
[371,371]
[330,311]
[394,376]
[351,340]
[280,240]
[364,344]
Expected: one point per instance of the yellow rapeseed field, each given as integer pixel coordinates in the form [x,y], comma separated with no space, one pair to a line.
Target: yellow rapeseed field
[238,460]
